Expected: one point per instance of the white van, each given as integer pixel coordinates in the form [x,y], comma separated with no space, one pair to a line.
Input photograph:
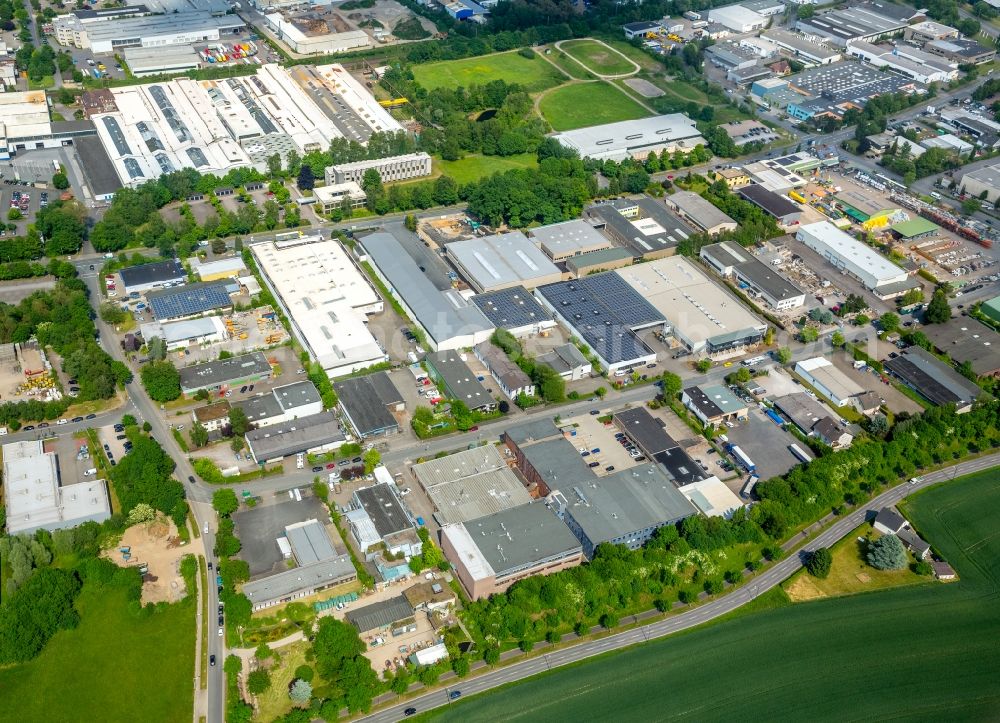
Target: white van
[90,472]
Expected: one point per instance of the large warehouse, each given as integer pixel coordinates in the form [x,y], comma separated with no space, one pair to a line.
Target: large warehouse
[642,225]
[445,316]
[185,302]
[702,214]
[217,125]
[326,298]
[625,139]
[515,310]
[151,31]
[561,241]
[701,315]
[491,263]
[861,261]
[733,261]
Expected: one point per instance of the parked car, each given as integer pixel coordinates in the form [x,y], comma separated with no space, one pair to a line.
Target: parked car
[410,711]
[317,469]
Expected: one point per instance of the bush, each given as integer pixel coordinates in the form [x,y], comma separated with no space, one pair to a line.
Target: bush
[819,563]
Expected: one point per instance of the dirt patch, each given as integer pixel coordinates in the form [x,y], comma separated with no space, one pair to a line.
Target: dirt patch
[644,88]
[804,589]
[156,545]
[863,577]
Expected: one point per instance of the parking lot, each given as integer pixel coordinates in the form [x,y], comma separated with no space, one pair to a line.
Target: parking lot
[27,200]
[592,434]
[259,527]
[765,443]
[73,463]
[113,440]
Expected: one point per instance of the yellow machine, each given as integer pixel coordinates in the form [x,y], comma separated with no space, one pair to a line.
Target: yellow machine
[796,196]
[675,37]
[394,103]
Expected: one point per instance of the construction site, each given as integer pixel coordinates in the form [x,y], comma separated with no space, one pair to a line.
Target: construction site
[156,550]
[25,373]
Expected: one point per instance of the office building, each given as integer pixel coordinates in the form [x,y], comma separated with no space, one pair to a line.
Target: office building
[491,553]
[508,375]
[562,241]
[861,261]
[700,213]
[928,30]
[282,404]
[756,278]
[35,498]
[457,381]
[634,138]
[339,197]
[158,274]
[447,318]
[326,299]
[699,314]
[491,263]
[370,404]
[219,375]
[394,168]
[641,225]
[313,434]
[514,309]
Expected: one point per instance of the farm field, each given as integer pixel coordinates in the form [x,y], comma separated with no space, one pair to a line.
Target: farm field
[598,57]
[814,661]
[474,166]
[116,666]
[587,104]
[534,74]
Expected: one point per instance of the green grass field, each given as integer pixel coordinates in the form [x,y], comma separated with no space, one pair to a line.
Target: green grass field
[597,57]
[588,104]
[924,652]
[473,167]
[534,74]
[113,667]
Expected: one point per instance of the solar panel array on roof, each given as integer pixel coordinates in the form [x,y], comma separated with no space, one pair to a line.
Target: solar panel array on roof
[188,300]
[511,308]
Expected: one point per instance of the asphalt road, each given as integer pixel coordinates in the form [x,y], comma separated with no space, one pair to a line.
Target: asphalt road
[718,607]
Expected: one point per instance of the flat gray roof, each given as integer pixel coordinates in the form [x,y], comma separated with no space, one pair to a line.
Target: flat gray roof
[443,314]
[802,410]
[502,260]
[309,542]
[384,509]
[379,615]
[521,537]
[97,165]
[366,403]
[558,462]
[697,210]
[157,25]
[532,431]
[753,270]
[215,373]
[647,431]
[625,502]
[460,381]
[292,437]
[643,225]
[591,259]
[257,408]
[296,394]
[321,574]
[569,238]
[967,340]
[934,379]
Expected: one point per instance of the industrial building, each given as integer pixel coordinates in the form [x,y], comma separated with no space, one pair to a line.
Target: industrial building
[901,60]
[934,380]
[318,566]
[642,225]
[35,498]
[315,433]
[562,241]
[604,260]
[737,18]
[549,464]
[470,484]
[150,31]
[967,340]
[784,212]
[806,50]
[641,29]
[282,404]
[962,50]
[804,411]
[378,515]
[158,274]
[217,125]
[394,616]
[828,380]
[491,553]
[181,334]
[24,122]
[834,89]
[514,309]
[732,261]
[185,302]
[159,60]
[457,381]
[219,375]
[634,138]
[856,22]
[699,213]
[699,314]
[393,168]
[229,268]
[508,375]
[985,179]
[604,312]
[714,404]
[312,33]
[861,261]
[650,436]
[326,299]
[338,197]
[490,263]
[928,30]
[567,361]
[623,508]
[368,403]
[213,417]
[712,498]
[448,319]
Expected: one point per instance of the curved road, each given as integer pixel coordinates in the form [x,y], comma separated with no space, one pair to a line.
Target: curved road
[722,605]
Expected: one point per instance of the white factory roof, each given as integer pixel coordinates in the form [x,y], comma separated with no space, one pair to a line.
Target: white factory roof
[688,299]
[569,238]
[503,260]
[222,266]
[26,114]
[336,79]
[472,559]
[180,331]
[861,259]
[824,371]
[154,26]
[616,139]
[712,497]
[325,296]
[735,17]
[34,497]
[337,191]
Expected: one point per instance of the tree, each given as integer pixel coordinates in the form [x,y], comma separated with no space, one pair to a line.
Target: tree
[889,322]
[837,339]
[225,502]
[410,222]
[938,310]
[887,553]
[804,12]
[670,385]
[258,681]
[372,459]
[263,652]
[237,444]
[161,380]
[703,365]
[60,181]
[784,355]
[198,434]
[306,180]
[14,214]
[140,513]
[301,690]
[742,375]
[304,672]
[819,562]
[35,611]
[808,334]
[239,425]
[218,246]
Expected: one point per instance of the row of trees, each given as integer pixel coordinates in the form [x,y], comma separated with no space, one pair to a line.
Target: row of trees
[28,270]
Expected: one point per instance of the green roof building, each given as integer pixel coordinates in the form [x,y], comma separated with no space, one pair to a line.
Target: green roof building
[991,309]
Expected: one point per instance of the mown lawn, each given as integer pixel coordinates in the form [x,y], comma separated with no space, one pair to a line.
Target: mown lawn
[532,73]
[588,104]
[473,167]
[912,653]
[598,57]
[113,667]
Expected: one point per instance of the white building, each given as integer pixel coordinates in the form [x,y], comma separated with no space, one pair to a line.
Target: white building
[35,497]
[282,404]
[923,70]
[491,263]
[829,381]
[634,138]
[24,123]
[337,195]
[712,497]
[150,31]
[738,18]
[302,39]
[845,252]
[202,331]
[325,298]
[394,168]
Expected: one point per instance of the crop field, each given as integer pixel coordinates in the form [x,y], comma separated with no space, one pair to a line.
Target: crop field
[598,57]
[911,653]
[116,666]
[535,74]
[588,104]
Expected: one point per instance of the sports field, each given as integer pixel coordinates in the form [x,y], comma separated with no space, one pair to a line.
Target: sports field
[534,74]
[588,104]
[598,57]
[116,666]
[925,652]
